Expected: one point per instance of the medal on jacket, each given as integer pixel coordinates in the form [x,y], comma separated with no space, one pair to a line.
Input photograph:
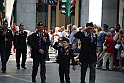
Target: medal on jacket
[86,34]
[61,50]
[37,35]
[66,52]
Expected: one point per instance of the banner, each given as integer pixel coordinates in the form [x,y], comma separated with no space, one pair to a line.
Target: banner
[49,2]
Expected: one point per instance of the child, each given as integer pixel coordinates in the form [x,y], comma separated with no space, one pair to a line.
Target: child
[65,54]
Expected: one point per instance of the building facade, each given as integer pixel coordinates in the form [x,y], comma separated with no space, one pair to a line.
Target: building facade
[30,12]
[52,17]
[121,13]
[26,13]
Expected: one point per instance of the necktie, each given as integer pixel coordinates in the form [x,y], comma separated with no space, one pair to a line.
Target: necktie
[6,30]
[41,44]
[91,38]
[39,41]
[21,32]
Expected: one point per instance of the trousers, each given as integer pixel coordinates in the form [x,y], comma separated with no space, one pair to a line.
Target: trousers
[92,76]
[36,63]
[18,55]
[64,71]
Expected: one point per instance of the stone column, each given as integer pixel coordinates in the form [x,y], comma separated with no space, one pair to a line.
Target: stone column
[77,13]
[121,13]
[57,14]
[109,12]
[49,17]
[26,13]
[84,12]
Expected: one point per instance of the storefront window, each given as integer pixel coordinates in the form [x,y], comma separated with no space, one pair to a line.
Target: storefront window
[42,13]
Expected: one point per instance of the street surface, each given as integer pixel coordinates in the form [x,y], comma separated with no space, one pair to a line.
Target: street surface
[14,75]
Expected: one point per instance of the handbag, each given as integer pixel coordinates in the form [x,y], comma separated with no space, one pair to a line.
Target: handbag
[117,46]
[104,47]
[122,54]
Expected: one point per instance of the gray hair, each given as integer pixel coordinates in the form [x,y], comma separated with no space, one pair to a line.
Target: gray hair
[74,26]
[109,34]
[112,30]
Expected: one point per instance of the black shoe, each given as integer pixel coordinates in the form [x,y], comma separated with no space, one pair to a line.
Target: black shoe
[18,67]
[24,67]
[43,82]
[34,81]
[3,71]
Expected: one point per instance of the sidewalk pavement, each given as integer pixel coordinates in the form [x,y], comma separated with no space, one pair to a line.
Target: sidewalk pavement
[14,75]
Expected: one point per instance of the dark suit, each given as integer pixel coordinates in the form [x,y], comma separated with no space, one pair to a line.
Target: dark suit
[21,47]
[5,47]
[87,56]
[39,58]
[64,62]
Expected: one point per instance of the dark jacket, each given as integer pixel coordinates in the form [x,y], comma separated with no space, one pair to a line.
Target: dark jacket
[64,55]
[88,49]
[9,36]
[20,40]
[77,50]
[35,48]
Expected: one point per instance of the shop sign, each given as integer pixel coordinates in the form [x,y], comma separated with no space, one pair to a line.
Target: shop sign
[49,2]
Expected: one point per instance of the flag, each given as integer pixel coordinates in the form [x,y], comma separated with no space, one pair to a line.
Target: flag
[1,9]
[14,28]
[14,13]
[13,18]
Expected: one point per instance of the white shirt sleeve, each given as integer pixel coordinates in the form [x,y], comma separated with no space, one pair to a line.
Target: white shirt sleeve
[60,34]
[63,34]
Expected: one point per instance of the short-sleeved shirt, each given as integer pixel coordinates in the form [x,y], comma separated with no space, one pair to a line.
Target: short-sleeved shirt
[109,41]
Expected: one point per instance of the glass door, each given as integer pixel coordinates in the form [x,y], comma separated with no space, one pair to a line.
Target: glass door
[42,13]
